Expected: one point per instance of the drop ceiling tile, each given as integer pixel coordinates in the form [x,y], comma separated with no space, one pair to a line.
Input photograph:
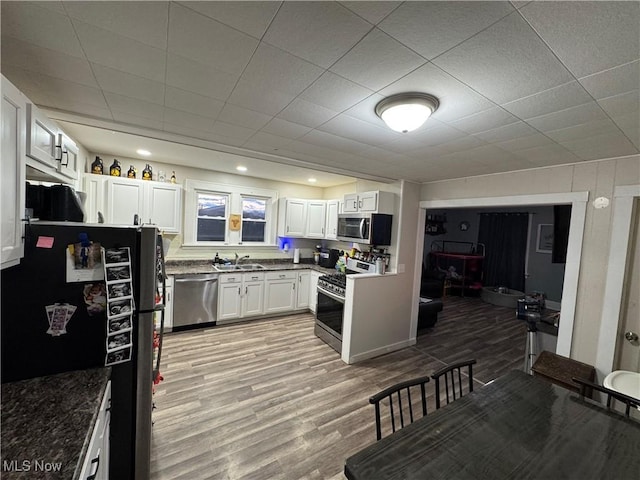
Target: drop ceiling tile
[192,102]
[283,128]
[84,109]
[115,81]
[145,22]
[377,153]
[365,110]
[133,106]
[32,85]
[585,130]
[195,77]
[487,120]
[588,37]
[335,92]
[306,113]
[358,130]
[629,124]
[137,120]
[456,99]
[115,51]
[506,133]
[468,142]
[55,6]
[243,117]
[562,97]
[607,145]
[403,145]
[524,143]
[431,28]
[264,142]
[65,91]
[435,132]
[570,117]
[505,62]
[31,57]
[330,141]
[546,155]
[186,119]
[254,97]
[40,26]
[207,41]
[372,11]
[622,104]
[202,135]
[319,32]
[622,79]
[248,17]
[376,61]
[275,69]
[232,131]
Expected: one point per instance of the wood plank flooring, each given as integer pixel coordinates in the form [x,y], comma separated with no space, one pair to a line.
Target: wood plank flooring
[268,400]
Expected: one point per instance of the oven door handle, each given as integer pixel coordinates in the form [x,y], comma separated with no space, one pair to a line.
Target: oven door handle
[331,295]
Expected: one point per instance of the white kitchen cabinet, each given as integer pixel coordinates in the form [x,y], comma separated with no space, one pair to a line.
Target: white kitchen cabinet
[42,134]
[12,173]
[369,202]
[302,295]
[331,224]
[280,291]
[119,199]
[69,157]
[313,290]
[229,297]
[95,465]
[240,296]
[168,306]
[316,218]
[292,217]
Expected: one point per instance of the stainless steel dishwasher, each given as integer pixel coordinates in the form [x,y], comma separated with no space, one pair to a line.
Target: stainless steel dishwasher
[195,299]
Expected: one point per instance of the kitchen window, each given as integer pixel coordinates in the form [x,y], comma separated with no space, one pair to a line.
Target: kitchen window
[211,207]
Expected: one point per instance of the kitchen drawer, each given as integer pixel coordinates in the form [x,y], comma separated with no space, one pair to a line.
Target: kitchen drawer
[231,278]
[281,275]
[253,276]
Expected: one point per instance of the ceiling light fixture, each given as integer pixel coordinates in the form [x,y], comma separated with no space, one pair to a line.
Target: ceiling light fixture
[240,168]
[144,153]
[406,111]
[312,180]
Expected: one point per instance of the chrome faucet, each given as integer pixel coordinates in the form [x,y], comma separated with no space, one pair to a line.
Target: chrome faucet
[239,259]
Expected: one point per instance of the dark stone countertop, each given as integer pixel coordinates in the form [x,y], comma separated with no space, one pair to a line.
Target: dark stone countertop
[49,420]
[188,267]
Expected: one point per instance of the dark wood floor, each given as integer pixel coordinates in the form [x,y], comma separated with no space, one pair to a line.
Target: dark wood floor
[267,399]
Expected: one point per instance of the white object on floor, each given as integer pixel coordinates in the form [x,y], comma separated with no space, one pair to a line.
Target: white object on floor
[625,382]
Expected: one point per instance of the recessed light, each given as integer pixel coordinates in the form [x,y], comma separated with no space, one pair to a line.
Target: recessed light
[240,168]
[313,180]
[143,152]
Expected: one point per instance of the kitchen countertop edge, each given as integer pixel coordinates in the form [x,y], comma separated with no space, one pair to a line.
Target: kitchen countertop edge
[191,267]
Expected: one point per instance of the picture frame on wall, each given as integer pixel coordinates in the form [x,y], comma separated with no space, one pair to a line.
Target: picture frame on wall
[544,241]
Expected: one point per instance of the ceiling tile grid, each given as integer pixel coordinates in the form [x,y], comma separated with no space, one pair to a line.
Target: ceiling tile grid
[520,84]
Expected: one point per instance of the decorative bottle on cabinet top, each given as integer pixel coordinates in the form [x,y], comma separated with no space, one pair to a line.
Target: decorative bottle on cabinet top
[97,166]
[132,172]
[147,173]
[115,170]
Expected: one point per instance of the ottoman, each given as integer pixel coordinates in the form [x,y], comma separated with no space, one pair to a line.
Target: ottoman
[428,312]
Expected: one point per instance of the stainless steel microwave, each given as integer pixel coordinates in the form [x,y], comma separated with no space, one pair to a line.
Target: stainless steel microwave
[367,228]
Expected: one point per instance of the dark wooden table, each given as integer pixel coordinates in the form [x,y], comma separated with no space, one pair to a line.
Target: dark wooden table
[517,427]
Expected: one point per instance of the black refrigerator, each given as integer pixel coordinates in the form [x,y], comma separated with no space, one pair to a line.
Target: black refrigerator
[61,271]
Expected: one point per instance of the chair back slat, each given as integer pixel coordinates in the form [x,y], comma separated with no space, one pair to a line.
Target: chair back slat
[453,384]
[586,386]
[400,403]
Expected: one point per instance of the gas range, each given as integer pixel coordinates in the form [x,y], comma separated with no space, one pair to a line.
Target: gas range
[335,283]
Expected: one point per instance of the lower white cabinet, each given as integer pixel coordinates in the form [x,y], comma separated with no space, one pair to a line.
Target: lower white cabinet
[95,465]
[168,306]
[240,296]
[302,296]
[313,290]
[280,291]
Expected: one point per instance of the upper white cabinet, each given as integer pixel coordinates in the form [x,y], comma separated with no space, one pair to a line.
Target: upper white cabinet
[331,224]
[120,199]
[369,202]
[292,217]
[68,157]
[316,217]
[12,173]
[42,135]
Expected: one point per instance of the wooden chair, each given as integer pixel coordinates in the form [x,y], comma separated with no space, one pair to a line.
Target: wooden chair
[453,381]
[399,391]
[587,386]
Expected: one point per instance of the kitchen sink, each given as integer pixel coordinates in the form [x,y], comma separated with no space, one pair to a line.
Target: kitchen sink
[235,268]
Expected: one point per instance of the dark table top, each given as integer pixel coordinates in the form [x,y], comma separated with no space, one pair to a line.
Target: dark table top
[517,427]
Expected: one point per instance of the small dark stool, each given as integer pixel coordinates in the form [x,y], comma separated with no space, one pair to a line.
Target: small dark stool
[559,370]
[428,313]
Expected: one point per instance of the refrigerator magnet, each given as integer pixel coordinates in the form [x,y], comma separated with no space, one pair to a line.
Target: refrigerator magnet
[59,315]
[119,290]
[84,262]
[119,307]
[118,324]
[117,255]
[118,340]
[118,356]
[95,298]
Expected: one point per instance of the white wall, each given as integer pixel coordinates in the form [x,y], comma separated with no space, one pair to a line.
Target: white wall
[599,178]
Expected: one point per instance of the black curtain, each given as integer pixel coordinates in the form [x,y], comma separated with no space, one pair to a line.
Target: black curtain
[505,239]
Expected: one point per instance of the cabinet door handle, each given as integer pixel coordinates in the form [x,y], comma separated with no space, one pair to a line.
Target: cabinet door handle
[239,292]
[360,204]
[246,290]
[95,461]
[355,204]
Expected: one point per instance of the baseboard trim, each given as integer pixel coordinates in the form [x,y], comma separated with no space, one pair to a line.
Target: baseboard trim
[376,352]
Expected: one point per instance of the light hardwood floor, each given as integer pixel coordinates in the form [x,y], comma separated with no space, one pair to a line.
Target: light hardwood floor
[267,399]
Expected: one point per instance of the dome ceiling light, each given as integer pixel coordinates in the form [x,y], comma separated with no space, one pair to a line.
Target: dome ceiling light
[405,112]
